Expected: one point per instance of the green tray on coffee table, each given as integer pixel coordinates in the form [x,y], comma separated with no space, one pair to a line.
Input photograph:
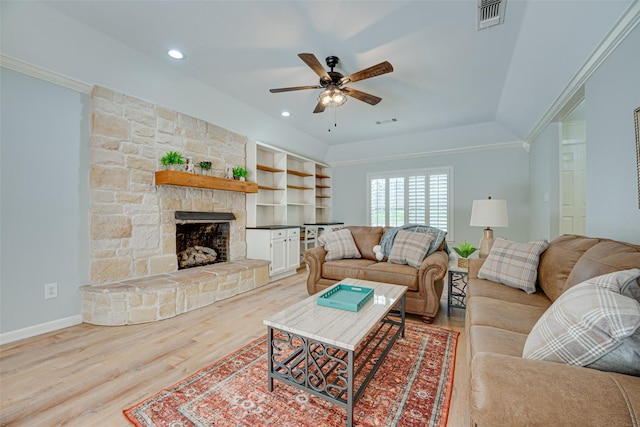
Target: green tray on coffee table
[346,297]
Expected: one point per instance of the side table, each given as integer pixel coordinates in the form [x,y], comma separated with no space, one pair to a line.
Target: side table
[457,287]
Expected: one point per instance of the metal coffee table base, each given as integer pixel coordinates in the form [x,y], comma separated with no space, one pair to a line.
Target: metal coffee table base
[328,371]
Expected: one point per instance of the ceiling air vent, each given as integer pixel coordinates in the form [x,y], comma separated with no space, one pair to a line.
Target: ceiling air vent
[490,13]
[384,122]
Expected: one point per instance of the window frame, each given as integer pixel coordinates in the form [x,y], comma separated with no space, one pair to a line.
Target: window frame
[406,173]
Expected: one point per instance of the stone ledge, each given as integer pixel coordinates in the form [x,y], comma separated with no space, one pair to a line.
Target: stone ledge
[152,298]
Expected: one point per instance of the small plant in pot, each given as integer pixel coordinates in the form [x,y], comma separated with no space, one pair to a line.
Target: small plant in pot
[173,161]
[240,173]
[464,250]
[205,167]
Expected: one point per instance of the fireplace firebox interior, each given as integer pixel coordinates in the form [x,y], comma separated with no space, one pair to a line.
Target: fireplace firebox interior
[199,244]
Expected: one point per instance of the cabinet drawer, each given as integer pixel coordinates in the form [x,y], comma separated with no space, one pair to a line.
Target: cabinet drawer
[293,232]
[276,234]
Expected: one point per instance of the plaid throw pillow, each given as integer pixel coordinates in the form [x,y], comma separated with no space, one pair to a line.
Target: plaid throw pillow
[514,264]
[339,244]
[589,321]
[410,248]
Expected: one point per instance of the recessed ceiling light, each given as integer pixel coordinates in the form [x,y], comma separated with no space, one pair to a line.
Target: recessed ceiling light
[176,54]
[285,114]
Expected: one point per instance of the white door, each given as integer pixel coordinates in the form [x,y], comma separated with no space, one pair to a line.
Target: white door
[573,165]
[293,252]
[278,255]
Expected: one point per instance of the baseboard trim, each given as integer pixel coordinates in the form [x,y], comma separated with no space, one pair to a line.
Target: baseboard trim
[42,328]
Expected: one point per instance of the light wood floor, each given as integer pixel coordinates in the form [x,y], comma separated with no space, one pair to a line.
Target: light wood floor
[86,375]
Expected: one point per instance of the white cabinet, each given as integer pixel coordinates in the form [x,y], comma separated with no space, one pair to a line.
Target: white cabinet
[279,246]
[279,259]
[293,248]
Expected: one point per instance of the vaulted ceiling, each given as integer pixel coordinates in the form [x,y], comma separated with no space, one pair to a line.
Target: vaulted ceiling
[447,74]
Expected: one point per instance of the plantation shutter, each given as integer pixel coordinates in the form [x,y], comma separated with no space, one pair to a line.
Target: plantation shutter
[416,199]
[411,197]
[439,200]
[378,202]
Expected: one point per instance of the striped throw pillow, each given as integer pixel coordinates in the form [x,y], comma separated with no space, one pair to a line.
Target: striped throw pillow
[410,248]
[339,244]
[514,264]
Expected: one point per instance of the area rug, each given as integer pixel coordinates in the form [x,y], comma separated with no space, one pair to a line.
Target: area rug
[411,388]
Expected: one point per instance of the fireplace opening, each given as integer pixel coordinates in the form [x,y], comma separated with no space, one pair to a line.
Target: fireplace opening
[199,244]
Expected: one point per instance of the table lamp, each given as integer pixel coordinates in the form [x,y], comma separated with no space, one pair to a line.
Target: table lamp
[488,213]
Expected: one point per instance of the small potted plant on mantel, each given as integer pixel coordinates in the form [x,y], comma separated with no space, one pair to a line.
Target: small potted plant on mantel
[205,167]
[464,250]
[173,161]
[240,173]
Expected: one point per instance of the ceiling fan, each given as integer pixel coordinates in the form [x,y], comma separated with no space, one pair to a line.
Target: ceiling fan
[335,93]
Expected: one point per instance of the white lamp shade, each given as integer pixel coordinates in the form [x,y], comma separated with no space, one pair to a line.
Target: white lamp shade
[489,213]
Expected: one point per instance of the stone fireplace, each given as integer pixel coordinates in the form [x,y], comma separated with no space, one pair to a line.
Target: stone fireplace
[132,221]
[137,228]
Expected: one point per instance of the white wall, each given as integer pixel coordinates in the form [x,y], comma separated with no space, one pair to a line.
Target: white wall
[39,35]
[612,94]
[545,180]
[44,213]
[501,173]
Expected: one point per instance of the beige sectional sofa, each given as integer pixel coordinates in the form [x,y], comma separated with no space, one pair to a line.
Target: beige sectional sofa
[509,390]
[425,283]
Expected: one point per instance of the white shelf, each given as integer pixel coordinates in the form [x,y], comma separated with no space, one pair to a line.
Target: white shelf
[292,189]
[270,204]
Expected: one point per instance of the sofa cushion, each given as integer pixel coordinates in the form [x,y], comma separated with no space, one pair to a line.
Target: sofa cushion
[392,273]
[339,244]
[605,257]
[496,340]
[503,315]
[489,289]
[514,264]
[365,239]
[588,321]
[342,268]
[410,248]
[558,260]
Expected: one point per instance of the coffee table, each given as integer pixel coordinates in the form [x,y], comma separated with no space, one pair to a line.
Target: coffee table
[333,353]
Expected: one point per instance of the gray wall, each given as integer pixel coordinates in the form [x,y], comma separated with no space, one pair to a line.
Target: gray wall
[612,93]
[503,174]
[545,181]
[44,159]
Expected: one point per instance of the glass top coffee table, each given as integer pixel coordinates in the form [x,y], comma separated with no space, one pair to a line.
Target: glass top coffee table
[334,353]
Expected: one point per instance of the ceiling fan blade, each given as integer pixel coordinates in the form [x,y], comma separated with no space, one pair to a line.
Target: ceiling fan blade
[289,89]
[319,107]
[362,96]
[313,63]
[376,70]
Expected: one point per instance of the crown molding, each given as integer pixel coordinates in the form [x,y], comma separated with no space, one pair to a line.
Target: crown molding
[517,144]
[625,24]
[42,74]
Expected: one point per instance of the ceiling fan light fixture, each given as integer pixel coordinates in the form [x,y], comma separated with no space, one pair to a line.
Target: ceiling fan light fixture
[332,96]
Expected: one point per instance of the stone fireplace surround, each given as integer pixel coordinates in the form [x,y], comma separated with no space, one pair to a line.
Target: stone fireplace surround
[134,272]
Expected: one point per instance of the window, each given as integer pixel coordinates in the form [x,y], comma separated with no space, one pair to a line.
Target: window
[411,197]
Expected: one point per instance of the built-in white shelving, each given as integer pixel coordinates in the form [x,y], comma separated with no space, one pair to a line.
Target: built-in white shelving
[292,190]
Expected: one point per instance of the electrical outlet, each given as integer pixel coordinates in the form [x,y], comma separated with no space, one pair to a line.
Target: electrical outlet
[50,290]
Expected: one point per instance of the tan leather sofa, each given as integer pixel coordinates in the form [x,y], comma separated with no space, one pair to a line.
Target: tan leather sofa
[425,284]
[507,390]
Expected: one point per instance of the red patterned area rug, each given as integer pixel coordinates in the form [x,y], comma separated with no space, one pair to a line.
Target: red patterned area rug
[411,388]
